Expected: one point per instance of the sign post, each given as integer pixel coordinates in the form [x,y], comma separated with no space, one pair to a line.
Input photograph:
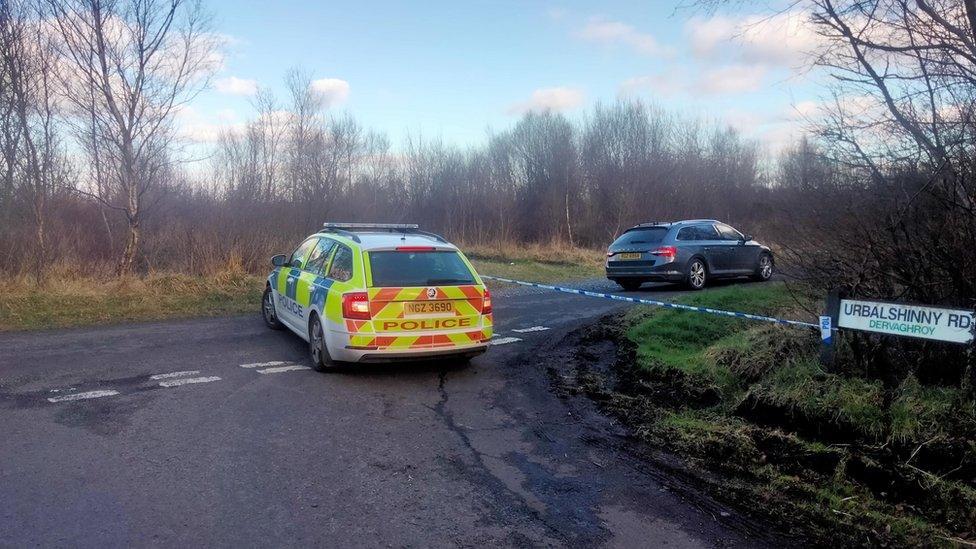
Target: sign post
[828,323]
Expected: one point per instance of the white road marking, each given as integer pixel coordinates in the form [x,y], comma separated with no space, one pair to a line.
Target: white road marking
[187,381]
[175,374]
[504,340]
[264,364]
[84,396]
[532,329]
[280,369]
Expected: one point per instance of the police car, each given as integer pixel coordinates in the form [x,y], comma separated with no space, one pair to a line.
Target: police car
[379,292]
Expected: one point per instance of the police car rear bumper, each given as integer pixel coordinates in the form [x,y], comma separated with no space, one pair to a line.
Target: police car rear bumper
[468,351]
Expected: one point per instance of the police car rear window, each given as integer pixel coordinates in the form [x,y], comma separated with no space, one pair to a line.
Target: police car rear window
[650,235]
[401,269]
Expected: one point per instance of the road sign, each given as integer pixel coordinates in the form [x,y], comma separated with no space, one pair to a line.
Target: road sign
[902,319]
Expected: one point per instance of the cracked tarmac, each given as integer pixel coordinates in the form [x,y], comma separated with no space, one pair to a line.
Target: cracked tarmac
[431,454]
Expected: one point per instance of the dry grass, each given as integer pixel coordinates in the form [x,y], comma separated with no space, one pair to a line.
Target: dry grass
[76,295]
[79,301]
[548,263]
[556,253]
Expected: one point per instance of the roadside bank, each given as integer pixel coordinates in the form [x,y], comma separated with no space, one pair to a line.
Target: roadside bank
[747,411]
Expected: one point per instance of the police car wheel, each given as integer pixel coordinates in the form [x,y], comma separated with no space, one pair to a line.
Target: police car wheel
[764,270]
[697,274]
[321,361]
[268,310]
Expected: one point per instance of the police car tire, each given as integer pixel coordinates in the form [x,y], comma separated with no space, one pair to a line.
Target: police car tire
[272,323]
[323,362]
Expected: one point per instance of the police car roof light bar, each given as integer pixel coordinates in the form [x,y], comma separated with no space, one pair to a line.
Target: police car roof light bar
[347,229]
[371,226]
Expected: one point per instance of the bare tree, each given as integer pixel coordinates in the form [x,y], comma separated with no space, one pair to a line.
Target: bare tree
[130,65]
[31,141]
[10,128]
[906,78]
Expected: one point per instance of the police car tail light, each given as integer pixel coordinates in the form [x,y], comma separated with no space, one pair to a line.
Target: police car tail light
[486,303]
[667,252]
[355,305]
[415,248]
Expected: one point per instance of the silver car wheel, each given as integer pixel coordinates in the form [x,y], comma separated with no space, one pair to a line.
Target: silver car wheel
[697,274]
[765,267]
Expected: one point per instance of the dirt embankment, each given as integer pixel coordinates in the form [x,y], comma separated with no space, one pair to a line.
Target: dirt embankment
[821,472]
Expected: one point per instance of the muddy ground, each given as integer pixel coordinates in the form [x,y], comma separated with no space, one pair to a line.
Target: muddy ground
[771,464]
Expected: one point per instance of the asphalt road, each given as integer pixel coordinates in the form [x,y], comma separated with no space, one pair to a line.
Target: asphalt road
[276,455]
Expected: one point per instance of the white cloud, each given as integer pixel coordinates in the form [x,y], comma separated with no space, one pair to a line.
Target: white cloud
[233,85]
[199,128]
[668,83]
[744,121]
[549,99]
[804,110]
[783,39]
[615,32]
[333,91]
[723,80]
[731,79]
[777,130]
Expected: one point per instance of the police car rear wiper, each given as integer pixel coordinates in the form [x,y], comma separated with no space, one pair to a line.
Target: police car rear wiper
[435,281]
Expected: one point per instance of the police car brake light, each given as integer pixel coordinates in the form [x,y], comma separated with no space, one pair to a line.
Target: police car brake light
[669,252]
[486,303]
[355,305]
[415,248]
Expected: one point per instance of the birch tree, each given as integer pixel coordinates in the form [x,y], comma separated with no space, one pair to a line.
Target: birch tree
[130,65]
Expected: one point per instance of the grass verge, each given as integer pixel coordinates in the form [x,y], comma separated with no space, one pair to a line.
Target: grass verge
[88,301]
[536,263]
[534,271]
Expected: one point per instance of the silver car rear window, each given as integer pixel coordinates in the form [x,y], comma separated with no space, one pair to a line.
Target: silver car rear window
[648,235]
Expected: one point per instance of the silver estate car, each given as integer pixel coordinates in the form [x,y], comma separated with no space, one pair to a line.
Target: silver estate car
[692,251]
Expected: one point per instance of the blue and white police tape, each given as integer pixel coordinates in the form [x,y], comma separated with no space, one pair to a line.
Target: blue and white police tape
[655,302]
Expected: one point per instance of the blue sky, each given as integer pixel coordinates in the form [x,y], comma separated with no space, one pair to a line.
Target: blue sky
[455,69]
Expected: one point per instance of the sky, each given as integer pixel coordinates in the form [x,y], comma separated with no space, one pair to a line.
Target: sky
[459,70]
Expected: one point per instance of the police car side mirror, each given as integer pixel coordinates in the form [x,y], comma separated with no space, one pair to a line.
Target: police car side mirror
[279,260]
[746,238]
